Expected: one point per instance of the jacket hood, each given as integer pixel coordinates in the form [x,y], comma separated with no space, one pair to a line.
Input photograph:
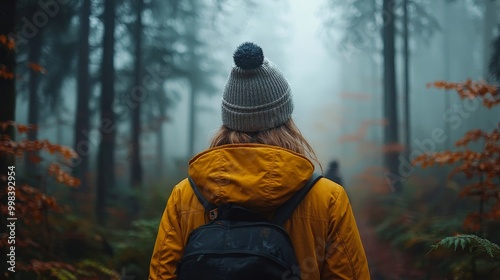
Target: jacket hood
[255,176]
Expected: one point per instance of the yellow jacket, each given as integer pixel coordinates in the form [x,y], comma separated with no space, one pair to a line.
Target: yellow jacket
[261,177]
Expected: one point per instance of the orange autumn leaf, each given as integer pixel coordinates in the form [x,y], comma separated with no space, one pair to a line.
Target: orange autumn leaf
[11,44]
[5,124]
[395,147]
[361,131]
[33,206]
[25,146]
[22,128]
[469,89]
[353,137]
[68,153]
[37,68]
[5,73]
[62,176]
[481,165]
[7,42]
[52,149]
[35,159]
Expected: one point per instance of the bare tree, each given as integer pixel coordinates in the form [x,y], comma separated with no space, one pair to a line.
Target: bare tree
[391,129]
[107,126]
[135,147]
[494,65]
[8,93]
[82,122]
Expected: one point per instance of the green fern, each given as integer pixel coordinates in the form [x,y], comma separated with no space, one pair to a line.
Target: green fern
[63,274]
[133,247]
[87,269]
[98,268]
[475,244]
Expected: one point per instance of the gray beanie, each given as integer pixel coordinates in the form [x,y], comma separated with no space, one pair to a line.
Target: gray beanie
[256,96]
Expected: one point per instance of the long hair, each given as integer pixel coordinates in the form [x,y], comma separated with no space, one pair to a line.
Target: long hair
[287,136]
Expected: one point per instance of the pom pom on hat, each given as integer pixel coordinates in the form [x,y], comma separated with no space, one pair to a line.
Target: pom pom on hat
[248,56]
[257,96]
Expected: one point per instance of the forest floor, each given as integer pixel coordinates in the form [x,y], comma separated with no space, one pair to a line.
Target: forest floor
[384,261]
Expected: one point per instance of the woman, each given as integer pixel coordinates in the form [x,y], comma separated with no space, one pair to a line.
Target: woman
[258,159]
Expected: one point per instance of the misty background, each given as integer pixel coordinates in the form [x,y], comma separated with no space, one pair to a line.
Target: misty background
[135,86]
[336,82]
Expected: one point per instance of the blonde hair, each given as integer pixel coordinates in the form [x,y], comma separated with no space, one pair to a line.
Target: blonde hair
[287,136]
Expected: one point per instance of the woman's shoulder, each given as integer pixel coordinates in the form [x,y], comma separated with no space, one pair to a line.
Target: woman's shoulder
[321,202]
[328,194]
[183,188]
[328,188]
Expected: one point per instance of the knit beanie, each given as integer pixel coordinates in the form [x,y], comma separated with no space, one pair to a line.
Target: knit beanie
[256,96]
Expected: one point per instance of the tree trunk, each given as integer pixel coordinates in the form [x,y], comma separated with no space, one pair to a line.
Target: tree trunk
[192,35]
[7,84]
[494,63]
[135,163]
[406,63]
[34,54]
[82,122]
[391,136]
[159,133]
[490,21]
[447,70]
[159,149]
[192,119]
[107,125]
[8,103]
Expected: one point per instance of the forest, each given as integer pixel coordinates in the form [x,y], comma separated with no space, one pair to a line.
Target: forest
[103,103]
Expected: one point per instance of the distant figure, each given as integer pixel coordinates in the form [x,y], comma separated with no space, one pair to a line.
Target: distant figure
[333,173]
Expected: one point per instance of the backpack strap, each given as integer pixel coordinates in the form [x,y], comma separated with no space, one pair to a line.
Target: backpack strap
[286,209]
[209,206]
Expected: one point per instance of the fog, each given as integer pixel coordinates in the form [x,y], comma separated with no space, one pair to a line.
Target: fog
[94,80]
[336,84]
[300,53]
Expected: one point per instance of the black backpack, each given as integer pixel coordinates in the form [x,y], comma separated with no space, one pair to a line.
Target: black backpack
[239,244]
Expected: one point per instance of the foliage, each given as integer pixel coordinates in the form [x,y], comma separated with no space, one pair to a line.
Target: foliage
[469,89]
[482,166]
[41,252]
[408,223]
[37,68]
[9,44]
[5,73]
[475,244]
[134,247]
[405,225]
[362,19]
[86,269]
[474,257]
[24,146]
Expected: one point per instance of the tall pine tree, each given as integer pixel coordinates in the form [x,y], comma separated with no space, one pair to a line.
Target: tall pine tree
[107,123]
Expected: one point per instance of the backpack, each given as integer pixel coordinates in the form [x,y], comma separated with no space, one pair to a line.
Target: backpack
[241,244]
